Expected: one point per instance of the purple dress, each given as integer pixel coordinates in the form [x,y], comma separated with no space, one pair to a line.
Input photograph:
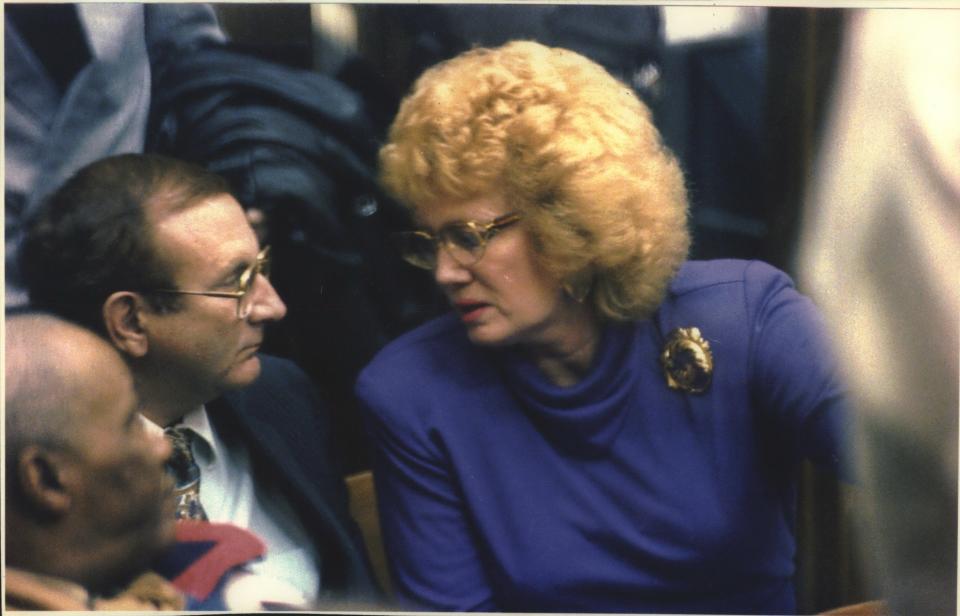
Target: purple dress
[499,491]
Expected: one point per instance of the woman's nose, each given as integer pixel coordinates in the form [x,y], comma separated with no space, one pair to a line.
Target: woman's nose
[447,271]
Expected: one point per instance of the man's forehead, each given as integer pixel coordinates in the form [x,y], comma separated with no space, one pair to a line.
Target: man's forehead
[209,221]
[162,210]
[204,241]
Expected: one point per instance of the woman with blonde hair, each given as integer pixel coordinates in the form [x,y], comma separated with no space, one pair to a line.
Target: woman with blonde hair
[599,425]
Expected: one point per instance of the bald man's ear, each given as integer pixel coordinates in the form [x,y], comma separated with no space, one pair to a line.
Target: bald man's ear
[123,317]
[40,473]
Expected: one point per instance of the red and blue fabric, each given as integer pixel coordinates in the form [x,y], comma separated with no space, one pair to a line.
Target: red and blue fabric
[203,558]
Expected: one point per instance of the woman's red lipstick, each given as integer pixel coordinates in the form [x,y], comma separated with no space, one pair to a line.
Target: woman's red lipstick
[470,311]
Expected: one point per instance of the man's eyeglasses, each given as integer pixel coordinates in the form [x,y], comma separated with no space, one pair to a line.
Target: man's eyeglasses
[465,242]
[245,284]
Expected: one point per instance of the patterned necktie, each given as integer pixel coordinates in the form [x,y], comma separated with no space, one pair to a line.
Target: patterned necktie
[186,473]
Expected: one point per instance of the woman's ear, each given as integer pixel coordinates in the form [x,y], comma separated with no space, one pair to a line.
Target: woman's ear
[580,285]
[123,318]
[40,474]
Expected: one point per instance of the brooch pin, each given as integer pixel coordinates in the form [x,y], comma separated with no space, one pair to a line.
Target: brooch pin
[687,360]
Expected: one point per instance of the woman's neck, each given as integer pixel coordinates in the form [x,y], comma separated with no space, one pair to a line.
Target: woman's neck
[568,355]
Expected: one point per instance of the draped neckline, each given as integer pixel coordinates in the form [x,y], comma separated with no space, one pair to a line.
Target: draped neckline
[583,419]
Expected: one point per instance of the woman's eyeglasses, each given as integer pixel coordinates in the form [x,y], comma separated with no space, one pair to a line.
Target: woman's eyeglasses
[465,242]
[245,284]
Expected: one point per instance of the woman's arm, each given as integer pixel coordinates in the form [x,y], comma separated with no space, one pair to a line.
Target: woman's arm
[794,376]
[431,547]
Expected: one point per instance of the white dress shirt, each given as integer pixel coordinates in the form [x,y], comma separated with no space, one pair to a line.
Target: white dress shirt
[230,493]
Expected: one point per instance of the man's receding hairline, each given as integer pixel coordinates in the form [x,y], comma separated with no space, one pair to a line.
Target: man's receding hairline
[167,201]
[161,207]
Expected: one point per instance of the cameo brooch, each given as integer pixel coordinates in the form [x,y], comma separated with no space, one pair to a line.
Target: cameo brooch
[687,360]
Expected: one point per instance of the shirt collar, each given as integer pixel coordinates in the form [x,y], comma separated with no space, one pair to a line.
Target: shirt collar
[198,422]
[204,443]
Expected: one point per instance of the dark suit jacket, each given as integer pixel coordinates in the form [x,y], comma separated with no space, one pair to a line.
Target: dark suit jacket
[284,425]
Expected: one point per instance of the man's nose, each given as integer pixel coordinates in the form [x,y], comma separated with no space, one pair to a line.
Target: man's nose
[267,305]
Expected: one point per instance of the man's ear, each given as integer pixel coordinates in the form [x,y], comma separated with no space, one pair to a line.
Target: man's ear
[123,318]
[40,473]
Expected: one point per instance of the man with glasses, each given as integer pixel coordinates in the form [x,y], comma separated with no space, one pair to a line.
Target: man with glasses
[158,257]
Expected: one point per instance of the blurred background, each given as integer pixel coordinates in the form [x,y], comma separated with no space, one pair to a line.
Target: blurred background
[290,102]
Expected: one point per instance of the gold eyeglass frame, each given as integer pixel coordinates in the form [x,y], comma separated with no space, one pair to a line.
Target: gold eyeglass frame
[248,277]
[483,231]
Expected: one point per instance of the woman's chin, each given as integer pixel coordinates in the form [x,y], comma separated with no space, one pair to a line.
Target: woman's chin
[487,336]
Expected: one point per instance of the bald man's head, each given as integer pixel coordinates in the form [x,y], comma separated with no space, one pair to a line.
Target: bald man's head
[87,495]
[49,364]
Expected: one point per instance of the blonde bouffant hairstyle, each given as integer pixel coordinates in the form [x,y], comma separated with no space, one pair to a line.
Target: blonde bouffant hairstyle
[569,147]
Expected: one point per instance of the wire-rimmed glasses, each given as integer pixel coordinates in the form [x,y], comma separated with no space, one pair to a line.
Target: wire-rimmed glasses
[245,284]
